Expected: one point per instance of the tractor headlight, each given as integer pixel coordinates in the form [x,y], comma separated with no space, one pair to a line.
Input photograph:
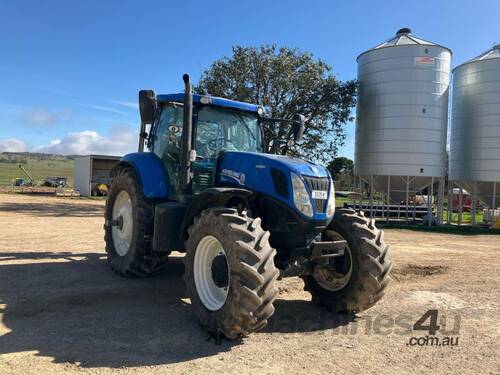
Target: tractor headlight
[301,196]
[330,206]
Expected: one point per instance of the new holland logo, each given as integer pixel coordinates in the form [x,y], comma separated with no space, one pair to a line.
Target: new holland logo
[314,169]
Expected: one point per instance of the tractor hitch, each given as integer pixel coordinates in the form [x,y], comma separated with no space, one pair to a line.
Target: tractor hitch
[327,249]
[305,259]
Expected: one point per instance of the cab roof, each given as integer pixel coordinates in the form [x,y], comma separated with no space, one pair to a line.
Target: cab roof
[209,100]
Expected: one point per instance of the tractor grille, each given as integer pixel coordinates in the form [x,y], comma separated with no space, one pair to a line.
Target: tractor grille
[202,180]
[318,183]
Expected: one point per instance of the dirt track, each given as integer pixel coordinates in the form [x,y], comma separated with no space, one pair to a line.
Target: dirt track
[63,310]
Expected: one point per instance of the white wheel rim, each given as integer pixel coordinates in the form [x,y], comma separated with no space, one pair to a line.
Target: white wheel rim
[212,296]
[122,237]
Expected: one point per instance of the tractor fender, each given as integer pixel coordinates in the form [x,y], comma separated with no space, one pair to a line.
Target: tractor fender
[214,197]
[150,172]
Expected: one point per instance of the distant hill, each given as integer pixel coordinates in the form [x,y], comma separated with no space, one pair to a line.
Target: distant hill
[37,164]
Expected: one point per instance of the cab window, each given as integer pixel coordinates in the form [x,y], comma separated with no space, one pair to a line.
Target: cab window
[167,141]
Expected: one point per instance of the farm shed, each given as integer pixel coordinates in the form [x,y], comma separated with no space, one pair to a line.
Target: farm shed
[91,170]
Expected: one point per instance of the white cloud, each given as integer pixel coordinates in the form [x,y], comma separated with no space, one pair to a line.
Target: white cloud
[119,141]
[12,145]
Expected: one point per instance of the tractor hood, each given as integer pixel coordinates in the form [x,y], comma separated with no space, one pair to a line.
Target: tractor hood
[253,160]
[269,174]
[300,167]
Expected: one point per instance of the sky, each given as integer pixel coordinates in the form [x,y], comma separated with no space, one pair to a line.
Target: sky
[70,71]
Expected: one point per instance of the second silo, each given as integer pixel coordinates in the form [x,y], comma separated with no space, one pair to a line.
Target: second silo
[475,126]
[402,112]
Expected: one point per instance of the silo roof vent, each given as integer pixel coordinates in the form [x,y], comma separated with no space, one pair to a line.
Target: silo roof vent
[403,31]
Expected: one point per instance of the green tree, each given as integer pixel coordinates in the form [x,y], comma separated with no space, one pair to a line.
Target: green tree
[342,171]
[287,81]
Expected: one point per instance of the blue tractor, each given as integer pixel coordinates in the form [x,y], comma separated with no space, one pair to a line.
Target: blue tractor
[244,217]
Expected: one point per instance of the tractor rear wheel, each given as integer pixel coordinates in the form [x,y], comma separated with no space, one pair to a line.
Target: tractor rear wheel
[230,272]
[128,218]
[357,280]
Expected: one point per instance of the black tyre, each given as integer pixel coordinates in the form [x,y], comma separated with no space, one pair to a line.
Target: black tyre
[356,281]
[230,272]
[128,218]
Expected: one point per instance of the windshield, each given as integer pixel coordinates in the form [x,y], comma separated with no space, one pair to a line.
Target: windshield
[219,129]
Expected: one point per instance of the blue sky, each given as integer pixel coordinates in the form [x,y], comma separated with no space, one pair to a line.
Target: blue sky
[70,71]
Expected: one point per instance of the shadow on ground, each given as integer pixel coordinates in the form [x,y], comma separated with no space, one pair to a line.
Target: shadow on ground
[72,308]
[55,209]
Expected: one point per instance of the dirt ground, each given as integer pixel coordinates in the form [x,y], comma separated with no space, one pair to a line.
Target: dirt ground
[63,310]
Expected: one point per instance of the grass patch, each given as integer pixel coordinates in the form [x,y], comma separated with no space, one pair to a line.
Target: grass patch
[466,216]
[38,167]
[339,201]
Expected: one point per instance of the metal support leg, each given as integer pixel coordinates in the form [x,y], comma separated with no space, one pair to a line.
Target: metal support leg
[415,209]
[432,200]
[450,202]
[429,211]
[361,190]
[388,197]
[407,196]
[460,205]
[493,201]
[440,201]
[355,198]
[360,193]
[382,206]
[399,211]
[429,202]
[371,196]
[358,198]
[473,204]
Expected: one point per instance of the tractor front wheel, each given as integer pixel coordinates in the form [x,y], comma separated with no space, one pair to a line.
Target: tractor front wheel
[230,272]
[357,280]
[127,221]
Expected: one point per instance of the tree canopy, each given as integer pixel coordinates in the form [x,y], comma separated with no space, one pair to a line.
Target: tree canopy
[342,171]
[287,81]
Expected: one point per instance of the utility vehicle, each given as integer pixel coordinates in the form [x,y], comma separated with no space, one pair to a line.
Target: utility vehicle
[244,217]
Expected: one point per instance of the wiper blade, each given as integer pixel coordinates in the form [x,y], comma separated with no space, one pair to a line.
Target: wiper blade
[246,126]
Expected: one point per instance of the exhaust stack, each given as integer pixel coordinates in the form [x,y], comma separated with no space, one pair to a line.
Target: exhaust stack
[187,131]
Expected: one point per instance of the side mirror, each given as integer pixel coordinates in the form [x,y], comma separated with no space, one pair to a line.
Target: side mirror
[298,126]
[147,106]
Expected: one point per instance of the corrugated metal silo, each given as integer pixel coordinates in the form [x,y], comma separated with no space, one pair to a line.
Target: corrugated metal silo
[475,126]
[402,113]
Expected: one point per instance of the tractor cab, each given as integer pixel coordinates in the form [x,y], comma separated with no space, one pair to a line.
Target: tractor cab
[219,125]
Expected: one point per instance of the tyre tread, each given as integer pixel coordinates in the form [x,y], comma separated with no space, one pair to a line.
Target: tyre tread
[374,269]
[252,268]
